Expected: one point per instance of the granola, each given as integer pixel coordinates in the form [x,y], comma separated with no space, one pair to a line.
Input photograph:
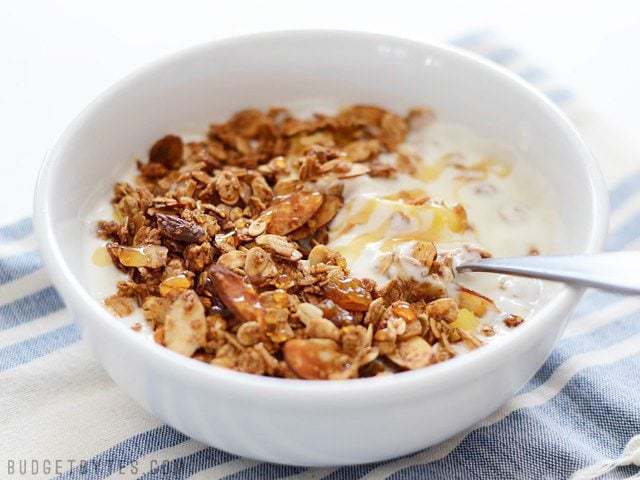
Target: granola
[224,241]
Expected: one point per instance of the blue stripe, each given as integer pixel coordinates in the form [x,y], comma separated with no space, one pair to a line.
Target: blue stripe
[595,299]
[559,95]
[502,55]
[26,309]
[19,265]
[613,332]
[471,39]
[36,347]
[353,472]
[265,470]
[186,466]
[531,74]
[16,231]
[589,420]
[625,234]
[124,454]
[624,190]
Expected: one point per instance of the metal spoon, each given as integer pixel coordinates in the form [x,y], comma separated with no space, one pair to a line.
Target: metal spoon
[614,271]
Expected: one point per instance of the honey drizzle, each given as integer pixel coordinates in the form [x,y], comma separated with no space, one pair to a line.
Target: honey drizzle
[431,228]
[486,166]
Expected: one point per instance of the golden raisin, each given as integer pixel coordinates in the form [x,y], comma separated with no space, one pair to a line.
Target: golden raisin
[349,293]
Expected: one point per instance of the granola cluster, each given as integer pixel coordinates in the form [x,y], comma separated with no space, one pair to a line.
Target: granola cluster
[224,242]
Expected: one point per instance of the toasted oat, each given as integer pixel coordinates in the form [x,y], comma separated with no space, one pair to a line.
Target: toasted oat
[155,309]
[249,333]
[280,246]
[443,309]
[259,266]
[307,312]
[475,302]
[233,260]
[119,305]
[412,353]
[425,253]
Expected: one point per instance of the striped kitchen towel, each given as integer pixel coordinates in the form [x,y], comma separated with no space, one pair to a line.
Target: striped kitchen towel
[62,417]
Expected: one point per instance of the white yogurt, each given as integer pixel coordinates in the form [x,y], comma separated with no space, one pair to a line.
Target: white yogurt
[507,205]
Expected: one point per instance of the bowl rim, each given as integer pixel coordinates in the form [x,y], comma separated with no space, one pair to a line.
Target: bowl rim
[387,388]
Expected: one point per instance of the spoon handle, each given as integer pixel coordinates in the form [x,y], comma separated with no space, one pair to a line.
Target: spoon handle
[613,271]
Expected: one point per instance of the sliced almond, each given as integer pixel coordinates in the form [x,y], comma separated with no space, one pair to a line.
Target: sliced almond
[326,212]
[315,359]
[475,302]
[237,295]
[292,211]
[185,326]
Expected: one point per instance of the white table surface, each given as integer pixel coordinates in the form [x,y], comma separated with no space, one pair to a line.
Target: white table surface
[56,56]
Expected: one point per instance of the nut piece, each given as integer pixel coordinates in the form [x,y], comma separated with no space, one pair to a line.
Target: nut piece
[316,359]
[167,151]
[326,212]
[180,229]
[185,326]
[413,353]
[475,302]
[292,211]
[280,246]
[237,296]
[513,321]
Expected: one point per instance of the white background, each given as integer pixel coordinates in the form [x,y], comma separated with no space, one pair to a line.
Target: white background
[56,56]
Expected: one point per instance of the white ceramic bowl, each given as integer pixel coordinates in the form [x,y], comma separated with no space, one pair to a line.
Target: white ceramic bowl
[304,422]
